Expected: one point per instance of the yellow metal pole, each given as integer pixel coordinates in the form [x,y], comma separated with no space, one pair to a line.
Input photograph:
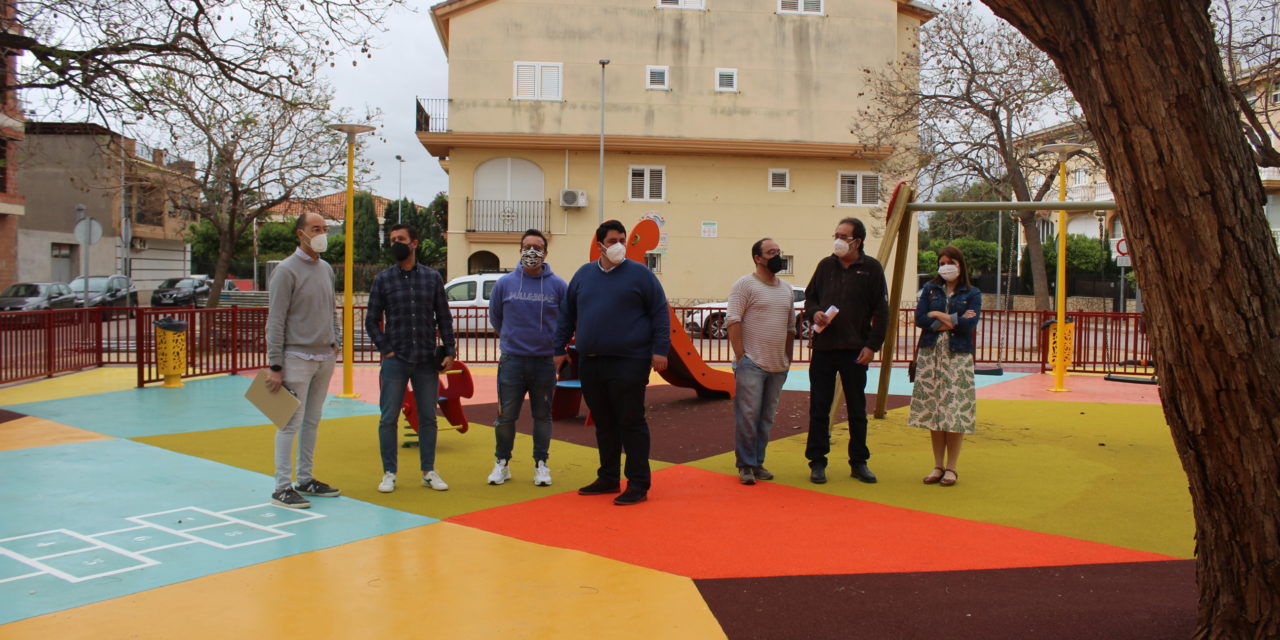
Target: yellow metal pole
[1060,359]
[348,312]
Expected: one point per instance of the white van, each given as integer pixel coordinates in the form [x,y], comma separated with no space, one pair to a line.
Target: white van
[468,298]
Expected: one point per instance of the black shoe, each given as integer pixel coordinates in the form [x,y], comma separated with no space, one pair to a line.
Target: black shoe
[289,498]
[861,472]
[631,496]
[746,475]
[599,487]
[762,473]
[314,487]
[818,475]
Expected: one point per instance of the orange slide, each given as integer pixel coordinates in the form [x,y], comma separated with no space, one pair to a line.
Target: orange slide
[685,366]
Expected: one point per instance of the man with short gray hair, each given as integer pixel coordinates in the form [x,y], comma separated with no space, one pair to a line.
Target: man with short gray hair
[303,339]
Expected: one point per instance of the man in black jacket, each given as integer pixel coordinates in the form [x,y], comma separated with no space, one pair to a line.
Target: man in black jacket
[844,342]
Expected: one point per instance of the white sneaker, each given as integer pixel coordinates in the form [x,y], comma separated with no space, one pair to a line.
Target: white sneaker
[388,483]
[432,480]
[501,472]
[542,475]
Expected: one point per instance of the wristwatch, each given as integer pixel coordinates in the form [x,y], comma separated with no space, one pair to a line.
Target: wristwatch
[277,368]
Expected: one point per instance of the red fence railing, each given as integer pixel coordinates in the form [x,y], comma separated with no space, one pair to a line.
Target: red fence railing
[36,344]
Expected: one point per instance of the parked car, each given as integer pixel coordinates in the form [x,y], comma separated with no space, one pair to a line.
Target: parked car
[707,320]
[106,291]
[180,292]
[36,296]
[468,298]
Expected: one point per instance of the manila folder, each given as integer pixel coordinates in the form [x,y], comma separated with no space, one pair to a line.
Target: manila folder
[279,407]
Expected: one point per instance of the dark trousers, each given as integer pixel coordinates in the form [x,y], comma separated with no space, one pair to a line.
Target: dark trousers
[614,390]
[822,392]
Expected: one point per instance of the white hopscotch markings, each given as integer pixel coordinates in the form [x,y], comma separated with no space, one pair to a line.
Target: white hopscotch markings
[76,557]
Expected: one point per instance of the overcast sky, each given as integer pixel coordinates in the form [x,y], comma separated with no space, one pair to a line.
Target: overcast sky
[408,63]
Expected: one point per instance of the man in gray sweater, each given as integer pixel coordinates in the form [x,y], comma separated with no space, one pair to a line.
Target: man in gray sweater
[303,339]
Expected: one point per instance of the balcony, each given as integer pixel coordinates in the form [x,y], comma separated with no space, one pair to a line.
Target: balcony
[506,216]
[432,115]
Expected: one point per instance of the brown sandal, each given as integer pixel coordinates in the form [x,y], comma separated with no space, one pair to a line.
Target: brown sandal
[944,482]
[932,479]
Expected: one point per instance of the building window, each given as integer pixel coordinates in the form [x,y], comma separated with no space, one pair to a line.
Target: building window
[656,78]
[681,4]
[538,81]
[788,266]
[807,7]
[58,250]
[779,179]
[4,161]
[653,261]
[1275,94]
[858,189]
[1079,177]
[648,183]
[727,80]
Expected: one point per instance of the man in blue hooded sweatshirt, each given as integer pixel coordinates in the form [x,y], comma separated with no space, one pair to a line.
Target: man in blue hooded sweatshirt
[524,308]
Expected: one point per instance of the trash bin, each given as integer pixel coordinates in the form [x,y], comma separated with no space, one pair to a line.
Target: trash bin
[1066,343]
[171,350]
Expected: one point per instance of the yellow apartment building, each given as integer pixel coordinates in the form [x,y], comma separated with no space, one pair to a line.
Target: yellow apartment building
[724,121]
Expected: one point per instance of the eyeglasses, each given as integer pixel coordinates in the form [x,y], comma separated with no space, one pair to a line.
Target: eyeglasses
[842,237]
[775,252]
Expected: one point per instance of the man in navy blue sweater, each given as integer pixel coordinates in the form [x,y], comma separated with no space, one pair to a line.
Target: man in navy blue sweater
[617,310]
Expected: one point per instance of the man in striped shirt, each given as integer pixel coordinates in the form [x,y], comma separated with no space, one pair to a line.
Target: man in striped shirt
[762,333]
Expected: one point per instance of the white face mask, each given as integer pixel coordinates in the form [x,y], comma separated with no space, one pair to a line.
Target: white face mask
[319,242]
[616,253]
[840,247]
[949,272]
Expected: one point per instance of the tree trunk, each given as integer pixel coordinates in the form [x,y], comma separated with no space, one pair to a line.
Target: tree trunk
[1149,79]
[226,249]
[1035,254]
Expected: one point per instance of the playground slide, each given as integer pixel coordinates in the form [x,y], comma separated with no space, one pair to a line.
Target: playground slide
[685,367]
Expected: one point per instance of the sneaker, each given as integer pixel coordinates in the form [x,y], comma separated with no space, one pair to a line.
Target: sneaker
[542,474]
[745,475]
[432,480]
[314,487]
[501,472]
[287,497]
[630,497]
[762,473]
[599,487]
[388,483]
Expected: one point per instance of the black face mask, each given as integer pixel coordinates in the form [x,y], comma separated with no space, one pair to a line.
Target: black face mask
[775,264]
[399,251]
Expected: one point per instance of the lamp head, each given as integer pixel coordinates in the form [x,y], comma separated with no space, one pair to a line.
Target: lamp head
[1063,149]
[604,61]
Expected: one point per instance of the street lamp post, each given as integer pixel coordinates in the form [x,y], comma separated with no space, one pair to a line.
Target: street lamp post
[348,313]
[1064,151]
[604,62]
[400,186]
[126,225]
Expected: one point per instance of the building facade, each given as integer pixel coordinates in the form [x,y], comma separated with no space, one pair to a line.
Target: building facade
[724,121]
[124,185]
[12,204]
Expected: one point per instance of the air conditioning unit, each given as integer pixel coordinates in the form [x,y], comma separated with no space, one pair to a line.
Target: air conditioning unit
[573,198]
[138,244]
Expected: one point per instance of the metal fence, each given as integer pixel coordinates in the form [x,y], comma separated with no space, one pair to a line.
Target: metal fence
[231,340]
[506,216]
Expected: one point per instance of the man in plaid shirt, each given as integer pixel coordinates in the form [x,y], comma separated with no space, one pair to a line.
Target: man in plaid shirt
[406,309]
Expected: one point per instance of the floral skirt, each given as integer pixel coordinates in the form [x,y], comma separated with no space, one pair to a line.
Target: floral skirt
[944,396]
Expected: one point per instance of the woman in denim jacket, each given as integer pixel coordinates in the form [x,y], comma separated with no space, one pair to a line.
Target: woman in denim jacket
[944,397]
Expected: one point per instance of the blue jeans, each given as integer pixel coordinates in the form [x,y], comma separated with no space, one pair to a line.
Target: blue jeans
[426,390]
[755,402]
[517,375]
[823,367]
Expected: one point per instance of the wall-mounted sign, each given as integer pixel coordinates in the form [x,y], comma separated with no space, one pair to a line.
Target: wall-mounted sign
[710,229]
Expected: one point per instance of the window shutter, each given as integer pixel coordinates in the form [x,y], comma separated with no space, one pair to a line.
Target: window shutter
[637,184]
[550,82]
[813,6]
[848,189]
[657,78]
[526,81]
[655,184]
[668,3]
[727,80]
[693,4]
[870,189]
[778,179]
[790,5]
